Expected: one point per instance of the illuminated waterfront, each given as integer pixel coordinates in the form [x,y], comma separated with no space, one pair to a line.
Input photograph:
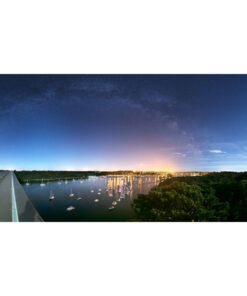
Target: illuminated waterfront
[114,194]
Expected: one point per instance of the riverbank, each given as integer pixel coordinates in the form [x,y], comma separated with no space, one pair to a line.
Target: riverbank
[49,176]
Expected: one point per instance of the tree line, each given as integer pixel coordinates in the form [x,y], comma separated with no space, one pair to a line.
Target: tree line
[213,197]
[36,175]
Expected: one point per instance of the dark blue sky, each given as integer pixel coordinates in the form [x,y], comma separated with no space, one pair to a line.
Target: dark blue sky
[143,122]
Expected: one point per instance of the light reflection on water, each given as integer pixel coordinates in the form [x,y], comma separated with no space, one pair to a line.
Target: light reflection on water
[119,189]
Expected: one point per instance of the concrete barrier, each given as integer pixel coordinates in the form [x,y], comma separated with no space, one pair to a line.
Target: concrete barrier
[15,205]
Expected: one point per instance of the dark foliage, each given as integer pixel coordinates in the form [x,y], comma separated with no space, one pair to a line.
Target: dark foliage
[213,197]
[37,176]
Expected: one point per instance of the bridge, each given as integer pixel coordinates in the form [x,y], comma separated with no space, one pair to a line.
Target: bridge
[15,206]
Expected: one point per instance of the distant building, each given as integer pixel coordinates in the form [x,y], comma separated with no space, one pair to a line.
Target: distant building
[189,174]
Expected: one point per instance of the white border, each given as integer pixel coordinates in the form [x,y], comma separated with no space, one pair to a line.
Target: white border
[129,36]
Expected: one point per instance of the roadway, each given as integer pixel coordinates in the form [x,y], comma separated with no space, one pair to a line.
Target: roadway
[15,206]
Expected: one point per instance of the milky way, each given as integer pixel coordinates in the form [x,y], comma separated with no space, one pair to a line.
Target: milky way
[140,122]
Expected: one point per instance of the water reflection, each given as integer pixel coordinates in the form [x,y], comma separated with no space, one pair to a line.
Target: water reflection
[114,193]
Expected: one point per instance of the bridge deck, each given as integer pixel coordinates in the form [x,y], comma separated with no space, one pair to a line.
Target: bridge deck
[5,197]
[14,203]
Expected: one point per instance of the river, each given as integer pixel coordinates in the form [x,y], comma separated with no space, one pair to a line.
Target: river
[106,198]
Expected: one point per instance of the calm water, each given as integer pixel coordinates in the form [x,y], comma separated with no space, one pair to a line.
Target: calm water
[120,189]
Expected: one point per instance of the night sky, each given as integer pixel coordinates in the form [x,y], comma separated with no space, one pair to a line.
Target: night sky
[109,122]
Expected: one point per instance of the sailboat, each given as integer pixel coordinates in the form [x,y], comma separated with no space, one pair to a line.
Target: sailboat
[71,193]
[52,196]
[66,182]
[42,183]
[27,183]
[59,182]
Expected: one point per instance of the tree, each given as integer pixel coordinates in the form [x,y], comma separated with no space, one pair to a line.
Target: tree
[179,201]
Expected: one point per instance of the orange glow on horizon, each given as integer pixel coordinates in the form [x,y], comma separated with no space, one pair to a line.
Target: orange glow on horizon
[149,165]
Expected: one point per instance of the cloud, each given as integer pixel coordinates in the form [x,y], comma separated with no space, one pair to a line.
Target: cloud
[216,151]
[179,154]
